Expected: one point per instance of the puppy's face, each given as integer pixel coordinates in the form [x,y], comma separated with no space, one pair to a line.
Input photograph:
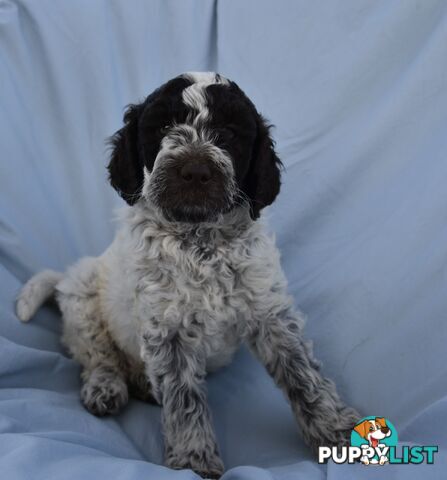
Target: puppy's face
[373,430]
[195,148]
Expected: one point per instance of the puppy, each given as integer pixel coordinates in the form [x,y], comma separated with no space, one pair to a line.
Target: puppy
[190,275]
[374,431]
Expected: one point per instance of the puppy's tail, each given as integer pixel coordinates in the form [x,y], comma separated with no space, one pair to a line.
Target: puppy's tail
[35,292]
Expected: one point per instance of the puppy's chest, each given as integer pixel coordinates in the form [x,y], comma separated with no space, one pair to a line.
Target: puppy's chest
[193,284]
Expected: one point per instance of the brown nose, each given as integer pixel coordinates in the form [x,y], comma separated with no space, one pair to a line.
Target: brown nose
[385,430]
[195,172]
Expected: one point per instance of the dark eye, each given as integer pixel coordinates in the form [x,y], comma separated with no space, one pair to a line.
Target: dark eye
[227,133]
[371,428]
[164,129]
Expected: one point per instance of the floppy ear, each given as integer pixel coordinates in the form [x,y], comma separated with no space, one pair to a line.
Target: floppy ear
[381,421]
[126,165]
[263,179]
[362,428]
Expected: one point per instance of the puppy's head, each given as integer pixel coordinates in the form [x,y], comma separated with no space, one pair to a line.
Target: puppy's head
[195,148]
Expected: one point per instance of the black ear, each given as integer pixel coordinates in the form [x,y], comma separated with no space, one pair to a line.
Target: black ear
[126,165]
[263,180]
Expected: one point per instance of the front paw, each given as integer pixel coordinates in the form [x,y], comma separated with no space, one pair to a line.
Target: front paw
[333,430]
[348,417]
[207,464]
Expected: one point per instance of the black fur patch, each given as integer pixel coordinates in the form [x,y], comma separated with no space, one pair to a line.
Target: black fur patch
[235,125]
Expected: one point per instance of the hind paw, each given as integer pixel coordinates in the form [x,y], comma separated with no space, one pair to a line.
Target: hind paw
[105,398]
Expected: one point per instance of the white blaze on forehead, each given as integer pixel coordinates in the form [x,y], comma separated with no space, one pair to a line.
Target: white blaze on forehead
[194,95]
[206,77]
[146,182]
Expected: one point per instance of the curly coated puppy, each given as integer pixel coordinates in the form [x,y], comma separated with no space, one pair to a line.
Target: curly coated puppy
[190,275]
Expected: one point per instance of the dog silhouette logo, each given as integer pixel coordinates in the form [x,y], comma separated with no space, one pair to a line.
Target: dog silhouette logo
[375,436]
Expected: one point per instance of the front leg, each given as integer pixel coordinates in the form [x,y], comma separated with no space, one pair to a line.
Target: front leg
[176,370]
[278,342]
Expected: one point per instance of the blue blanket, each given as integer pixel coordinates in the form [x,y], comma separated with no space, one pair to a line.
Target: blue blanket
[357,91]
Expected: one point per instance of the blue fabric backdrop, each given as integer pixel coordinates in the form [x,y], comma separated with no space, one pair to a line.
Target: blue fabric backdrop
[357,90]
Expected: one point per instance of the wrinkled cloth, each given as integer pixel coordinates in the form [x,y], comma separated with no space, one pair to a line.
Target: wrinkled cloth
[357,92]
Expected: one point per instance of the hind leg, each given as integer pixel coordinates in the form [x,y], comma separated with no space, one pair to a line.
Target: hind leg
[139,385]
[104,390]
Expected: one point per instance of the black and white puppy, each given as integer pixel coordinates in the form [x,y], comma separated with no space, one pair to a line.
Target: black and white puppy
[190,275]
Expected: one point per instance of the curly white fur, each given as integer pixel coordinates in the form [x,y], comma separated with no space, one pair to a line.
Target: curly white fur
[168,301]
